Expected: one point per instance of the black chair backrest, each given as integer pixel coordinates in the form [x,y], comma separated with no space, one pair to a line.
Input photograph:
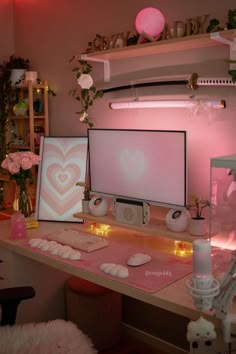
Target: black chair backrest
[10,298]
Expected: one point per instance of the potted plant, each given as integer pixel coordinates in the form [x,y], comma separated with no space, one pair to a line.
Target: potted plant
[198,221]
[15,62]
[16,67]
[86,199]
[8,98]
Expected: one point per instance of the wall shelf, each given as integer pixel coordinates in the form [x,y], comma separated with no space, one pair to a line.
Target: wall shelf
[165,46]
[204,40]
[155,227]
[26,126]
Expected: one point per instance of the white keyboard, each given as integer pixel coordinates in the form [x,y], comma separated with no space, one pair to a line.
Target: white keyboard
[81,241]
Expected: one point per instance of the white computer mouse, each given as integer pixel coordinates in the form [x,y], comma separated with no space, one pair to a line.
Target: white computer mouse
[138,259]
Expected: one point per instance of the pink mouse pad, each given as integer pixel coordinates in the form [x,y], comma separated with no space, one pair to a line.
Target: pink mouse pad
[161,271]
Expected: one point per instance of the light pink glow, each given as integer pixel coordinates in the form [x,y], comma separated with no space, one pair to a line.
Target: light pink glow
[150,21]
[138,164]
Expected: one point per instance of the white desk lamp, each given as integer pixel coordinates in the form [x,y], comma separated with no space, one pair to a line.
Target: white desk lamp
[203,287]
[210,294]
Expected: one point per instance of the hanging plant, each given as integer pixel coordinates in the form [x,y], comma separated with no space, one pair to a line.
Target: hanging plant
[8,96]
[15,62]
[86,92]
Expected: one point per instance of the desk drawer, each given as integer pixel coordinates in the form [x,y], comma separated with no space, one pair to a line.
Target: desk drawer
[6,256]
[6,268]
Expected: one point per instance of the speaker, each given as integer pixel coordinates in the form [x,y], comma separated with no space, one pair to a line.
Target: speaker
[177,220]
[98,206]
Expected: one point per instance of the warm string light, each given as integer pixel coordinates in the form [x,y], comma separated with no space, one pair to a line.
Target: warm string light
[182,248]
[99,229]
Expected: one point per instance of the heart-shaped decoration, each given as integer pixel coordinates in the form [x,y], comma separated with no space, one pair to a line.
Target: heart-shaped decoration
[62,178]
[132,163]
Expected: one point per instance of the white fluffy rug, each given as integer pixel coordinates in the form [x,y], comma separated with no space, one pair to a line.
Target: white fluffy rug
[54,337]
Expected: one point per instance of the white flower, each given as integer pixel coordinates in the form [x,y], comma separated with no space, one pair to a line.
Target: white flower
[85,81]
[83,116]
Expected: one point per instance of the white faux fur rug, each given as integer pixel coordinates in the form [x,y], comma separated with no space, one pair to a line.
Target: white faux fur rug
[54,337]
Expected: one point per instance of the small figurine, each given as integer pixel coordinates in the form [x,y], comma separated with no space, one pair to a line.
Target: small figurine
[201,331]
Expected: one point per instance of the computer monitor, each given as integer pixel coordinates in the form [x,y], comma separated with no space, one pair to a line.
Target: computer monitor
[139,165]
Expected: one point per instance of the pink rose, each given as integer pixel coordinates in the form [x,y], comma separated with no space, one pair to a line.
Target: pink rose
[35,159]
[5,163]
[15,156]
[17,160]
[26,163]
[83,116]
[13,167]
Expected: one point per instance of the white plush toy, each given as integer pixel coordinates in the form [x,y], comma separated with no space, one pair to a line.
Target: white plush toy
[201,331]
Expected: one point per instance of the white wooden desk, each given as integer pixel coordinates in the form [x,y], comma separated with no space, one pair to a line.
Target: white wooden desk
[172,298]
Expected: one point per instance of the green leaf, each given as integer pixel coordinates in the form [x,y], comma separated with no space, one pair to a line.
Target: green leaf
[85,96]
[100,93]
[230,61]
[82,62]
[84,93]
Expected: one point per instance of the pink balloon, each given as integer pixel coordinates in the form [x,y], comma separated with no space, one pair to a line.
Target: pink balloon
[150,21]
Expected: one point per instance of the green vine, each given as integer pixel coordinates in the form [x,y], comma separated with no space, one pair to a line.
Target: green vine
[86,92]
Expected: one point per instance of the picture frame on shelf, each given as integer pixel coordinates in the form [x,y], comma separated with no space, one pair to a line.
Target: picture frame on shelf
[63,162]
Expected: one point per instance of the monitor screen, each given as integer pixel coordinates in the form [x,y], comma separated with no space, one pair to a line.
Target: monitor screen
[140,165]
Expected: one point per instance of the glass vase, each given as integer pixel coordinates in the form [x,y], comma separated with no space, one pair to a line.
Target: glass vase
[22,201]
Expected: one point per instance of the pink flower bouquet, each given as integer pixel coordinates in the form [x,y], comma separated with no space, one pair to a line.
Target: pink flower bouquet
[19,165]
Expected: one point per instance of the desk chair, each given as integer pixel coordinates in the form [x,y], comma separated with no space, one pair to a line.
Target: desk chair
[57,337]
[10,298]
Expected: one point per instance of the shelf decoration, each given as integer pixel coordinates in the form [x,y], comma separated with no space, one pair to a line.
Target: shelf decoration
[86,92]
[198,222]
[86,199]
[180,28]
[150,23]
[21,108]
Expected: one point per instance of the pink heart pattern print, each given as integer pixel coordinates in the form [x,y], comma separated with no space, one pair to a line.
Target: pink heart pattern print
[63,164]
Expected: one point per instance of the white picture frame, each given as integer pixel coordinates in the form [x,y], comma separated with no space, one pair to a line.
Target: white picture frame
[63,163]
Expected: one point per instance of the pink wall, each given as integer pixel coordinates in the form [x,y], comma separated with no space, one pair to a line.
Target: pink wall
[51,32]
[6,29]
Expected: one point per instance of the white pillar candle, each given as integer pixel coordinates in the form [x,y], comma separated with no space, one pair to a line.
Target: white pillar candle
[202,267]
[31,75]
